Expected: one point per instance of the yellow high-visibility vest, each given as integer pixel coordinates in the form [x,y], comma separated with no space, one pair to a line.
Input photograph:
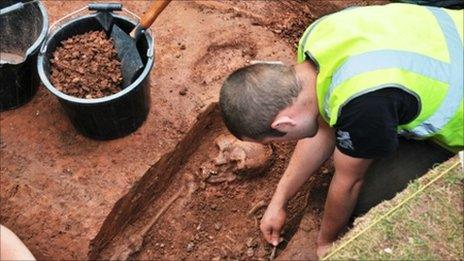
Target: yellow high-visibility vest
[414,48]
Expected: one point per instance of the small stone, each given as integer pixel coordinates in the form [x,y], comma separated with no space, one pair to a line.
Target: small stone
[218,226]
[199,227]
[250,252]
[183,47]
[190,246]
[178,55]
[249,242]
[162,245]
[202,185]
[183,92]
[214,207]
[210,237]
[388,250]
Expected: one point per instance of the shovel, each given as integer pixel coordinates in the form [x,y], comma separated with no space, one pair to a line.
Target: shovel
[126,44]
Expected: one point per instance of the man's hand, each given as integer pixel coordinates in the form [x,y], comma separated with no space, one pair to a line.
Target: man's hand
[272,223]
[322,250]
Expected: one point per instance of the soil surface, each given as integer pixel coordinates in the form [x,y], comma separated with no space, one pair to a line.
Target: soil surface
[69,197]
[303,244]
[86,66]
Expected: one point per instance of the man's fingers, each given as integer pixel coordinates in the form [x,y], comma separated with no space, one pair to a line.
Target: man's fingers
[267,232]
[275,235]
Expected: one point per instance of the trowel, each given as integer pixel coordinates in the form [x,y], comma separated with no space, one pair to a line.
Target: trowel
[126,44]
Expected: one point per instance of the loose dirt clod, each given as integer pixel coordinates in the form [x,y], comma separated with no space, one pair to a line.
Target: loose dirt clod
[86,66]
[183,92]
[190,246]
[250,252]
[217,226]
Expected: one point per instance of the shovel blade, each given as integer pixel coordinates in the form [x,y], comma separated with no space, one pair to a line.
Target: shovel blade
[131,62]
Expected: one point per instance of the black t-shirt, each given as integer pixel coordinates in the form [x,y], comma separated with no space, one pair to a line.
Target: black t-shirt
[367,125]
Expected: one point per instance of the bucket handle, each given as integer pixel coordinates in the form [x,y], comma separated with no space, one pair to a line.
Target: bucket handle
[105,7]
[91,7]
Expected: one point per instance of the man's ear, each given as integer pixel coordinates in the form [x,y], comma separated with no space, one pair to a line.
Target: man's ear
[283,123]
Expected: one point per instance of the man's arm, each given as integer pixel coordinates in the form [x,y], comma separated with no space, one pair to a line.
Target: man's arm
[308,156]
[341,199]
[366,129]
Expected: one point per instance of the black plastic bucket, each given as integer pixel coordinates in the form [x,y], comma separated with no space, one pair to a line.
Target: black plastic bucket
[109,117]
[21,34]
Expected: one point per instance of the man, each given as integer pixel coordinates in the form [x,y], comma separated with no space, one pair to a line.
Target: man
[365,76]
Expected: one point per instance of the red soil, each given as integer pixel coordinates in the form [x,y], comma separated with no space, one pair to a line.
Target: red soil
[86,66]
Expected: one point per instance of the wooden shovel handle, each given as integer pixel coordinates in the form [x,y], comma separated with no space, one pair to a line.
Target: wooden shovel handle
[153,12]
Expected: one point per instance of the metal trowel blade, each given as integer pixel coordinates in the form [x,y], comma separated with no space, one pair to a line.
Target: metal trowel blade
[131,62]
[106,20]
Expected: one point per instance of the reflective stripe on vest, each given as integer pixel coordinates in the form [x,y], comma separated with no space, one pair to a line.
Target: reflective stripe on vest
[451,102]
[451,73]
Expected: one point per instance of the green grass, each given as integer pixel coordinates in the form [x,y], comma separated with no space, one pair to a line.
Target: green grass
[427,227]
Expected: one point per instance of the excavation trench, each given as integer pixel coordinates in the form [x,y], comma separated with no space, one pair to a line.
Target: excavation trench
[204,200]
